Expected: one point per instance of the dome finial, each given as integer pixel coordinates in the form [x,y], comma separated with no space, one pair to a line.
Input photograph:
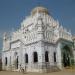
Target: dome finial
[40,10]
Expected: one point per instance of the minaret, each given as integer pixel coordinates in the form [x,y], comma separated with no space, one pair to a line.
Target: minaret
[5,36]
[5,42]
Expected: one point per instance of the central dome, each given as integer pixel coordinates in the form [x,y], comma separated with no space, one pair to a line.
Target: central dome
[39,9]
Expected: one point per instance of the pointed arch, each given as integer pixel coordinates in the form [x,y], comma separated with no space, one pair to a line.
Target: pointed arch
[26,58]
[17,62]
[46,57]
[54,56]
[66,55]
[6,61]
[35,57]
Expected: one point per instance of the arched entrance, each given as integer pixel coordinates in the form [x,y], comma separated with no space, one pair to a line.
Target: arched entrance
[17,62]
[6,61]
[26,58]
[35,57]
[46,57]
[66,56]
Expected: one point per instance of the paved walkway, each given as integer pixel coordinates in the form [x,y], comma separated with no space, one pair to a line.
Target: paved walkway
[65,72]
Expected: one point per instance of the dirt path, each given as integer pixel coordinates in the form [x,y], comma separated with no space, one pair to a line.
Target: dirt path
[65,72]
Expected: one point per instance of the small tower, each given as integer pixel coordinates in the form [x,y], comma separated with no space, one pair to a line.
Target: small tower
[5,42]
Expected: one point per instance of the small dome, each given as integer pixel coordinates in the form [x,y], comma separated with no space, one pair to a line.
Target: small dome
[39,9]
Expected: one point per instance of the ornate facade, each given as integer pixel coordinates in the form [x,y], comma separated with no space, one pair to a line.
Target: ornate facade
[38,45]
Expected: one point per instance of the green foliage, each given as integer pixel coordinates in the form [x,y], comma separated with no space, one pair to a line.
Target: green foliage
[72,62]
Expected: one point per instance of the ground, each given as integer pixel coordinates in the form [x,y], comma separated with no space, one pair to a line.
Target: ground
[64,72]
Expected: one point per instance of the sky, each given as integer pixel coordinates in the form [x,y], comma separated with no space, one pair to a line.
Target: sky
[12,13]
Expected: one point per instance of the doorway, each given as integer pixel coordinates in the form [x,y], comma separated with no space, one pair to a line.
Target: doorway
[17,62]
[66,56]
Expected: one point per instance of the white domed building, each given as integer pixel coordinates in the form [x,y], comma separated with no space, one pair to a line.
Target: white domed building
[39,45]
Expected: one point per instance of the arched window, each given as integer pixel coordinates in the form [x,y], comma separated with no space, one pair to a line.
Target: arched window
[10,59]
[35,57]
[46,57]
[17,62]
[5,60]
[26,58]
[54,56]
